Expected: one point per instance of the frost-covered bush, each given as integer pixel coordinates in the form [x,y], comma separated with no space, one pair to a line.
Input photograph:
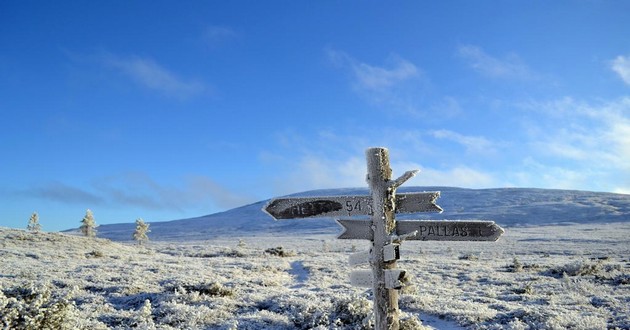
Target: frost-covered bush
[322,312]
[88,225]
[280,252]
[214,289]
[36,308]
[577,268]
[517,266]
[140,234]
[355,311]
[33,223]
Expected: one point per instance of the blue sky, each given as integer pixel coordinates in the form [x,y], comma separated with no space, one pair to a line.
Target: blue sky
[164,110]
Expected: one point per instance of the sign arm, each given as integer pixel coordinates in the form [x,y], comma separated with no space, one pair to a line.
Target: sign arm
[406,176]
[400,238]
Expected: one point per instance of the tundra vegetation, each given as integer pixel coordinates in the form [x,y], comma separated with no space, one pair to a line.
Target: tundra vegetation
[543,277]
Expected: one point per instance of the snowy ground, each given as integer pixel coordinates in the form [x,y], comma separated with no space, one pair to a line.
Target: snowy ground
[543,277]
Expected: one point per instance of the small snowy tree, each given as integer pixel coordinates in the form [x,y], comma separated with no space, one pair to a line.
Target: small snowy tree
[33,223]
[142,228]
[88,225]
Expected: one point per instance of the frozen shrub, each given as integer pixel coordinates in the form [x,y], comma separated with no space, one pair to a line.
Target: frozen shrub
[517,266]
[88,225]
[353,311]
[214,289]
[412,323]
[241,244]
[527,289]
[33,223]
[577,268]
[469,256]
[140,234]
[144,316]
[36,308]
[280,252]
[95,254]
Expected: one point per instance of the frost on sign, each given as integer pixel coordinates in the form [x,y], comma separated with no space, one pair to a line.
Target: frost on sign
[339,206]
[427,230]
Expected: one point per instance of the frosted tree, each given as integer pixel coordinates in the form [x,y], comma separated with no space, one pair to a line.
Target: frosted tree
[88,225]
[33,223]
[142,228]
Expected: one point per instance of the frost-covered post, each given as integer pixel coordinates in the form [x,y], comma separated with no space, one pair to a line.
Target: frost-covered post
[383,224]
[88,225]
[33,223]
[142,228]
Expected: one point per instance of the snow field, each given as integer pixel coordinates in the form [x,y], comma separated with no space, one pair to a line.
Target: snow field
[543,277]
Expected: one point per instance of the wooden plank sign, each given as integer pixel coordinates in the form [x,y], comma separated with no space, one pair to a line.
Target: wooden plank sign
[391,252]
[336,206]
[365,278]
[359,258]
[434,230]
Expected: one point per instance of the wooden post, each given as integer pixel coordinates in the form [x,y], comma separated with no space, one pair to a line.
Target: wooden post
[383,224]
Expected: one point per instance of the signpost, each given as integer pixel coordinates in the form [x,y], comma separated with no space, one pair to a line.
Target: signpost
[383,230]
[345,206]
[439,230]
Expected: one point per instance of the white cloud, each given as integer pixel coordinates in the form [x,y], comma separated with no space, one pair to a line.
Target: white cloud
[316,172]
[510,67]
[473,144]
[582,145]
[215,35]
[149,74]
[621,65]
[459,176]
[585,131]
[375,78]
[397,86]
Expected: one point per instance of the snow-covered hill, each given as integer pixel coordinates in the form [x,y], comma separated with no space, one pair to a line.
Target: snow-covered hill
[506,206]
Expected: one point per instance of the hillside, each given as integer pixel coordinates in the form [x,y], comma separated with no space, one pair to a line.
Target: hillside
[507,206]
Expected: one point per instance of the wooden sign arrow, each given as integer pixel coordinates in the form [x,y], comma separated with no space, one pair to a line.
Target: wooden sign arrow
[336,206]
[435,230]
[365,278]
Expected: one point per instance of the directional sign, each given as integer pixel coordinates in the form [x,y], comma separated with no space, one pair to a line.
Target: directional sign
[365,278]
[391,252]
[439,230]
[335,206]
[359,258]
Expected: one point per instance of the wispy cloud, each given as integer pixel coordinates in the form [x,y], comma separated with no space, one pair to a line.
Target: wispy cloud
[457,176]
[63,193]
[396,85]
[375,78]
[509,67]
[621,65]
[473,144]
[213,35]
[149,74]
[136,189]
[140,190]
[585,142]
